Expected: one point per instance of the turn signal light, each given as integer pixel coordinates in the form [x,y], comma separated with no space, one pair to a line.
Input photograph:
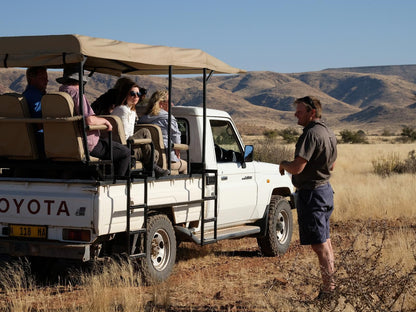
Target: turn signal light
[76,235]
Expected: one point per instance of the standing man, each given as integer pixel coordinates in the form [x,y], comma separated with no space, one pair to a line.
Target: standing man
[315,155]
[37,80]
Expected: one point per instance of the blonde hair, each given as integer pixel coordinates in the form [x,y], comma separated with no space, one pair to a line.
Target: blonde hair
[153,107]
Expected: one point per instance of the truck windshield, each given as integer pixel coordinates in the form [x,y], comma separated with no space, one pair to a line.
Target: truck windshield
[227,146]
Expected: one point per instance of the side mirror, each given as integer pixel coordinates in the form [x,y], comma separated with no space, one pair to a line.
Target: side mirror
[248,153]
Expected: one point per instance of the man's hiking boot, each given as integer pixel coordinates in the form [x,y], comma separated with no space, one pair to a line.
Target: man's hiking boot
[325,296]
[160,172]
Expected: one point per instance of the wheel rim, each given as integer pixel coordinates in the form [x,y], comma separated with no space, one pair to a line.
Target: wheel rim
[160,253]
[282,225]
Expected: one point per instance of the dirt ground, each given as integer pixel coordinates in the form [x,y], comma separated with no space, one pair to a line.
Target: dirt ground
[232,275]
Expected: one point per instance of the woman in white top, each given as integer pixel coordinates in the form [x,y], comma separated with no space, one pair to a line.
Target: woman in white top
[126,107]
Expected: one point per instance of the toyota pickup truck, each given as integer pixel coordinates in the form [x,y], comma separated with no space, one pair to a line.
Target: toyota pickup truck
[68,205]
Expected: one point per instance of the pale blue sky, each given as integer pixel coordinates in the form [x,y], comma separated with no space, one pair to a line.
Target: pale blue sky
[276,35]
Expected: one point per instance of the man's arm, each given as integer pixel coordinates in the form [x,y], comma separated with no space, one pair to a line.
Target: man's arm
[96,121]
[293,167]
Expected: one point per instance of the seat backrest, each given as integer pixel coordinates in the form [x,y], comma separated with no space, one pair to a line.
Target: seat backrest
[118,132]
[17,138]
[140,110]
[62,130]
[157,139]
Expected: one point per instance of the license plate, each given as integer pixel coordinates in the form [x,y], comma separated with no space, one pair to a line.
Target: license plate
[29,231]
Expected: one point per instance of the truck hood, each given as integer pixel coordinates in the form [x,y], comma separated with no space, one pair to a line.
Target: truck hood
[271,172]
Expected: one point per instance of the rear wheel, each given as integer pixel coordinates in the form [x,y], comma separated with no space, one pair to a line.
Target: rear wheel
[279,228]
[160,250]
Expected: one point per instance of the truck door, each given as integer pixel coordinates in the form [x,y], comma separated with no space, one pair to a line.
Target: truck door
[237,187]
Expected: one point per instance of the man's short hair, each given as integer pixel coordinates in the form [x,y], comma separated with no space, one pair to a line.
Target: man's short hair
[310,102]
[32,72]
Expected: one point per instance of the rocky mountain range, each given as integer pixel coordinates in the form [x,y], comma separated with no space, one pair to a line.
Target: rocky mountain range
[372,99]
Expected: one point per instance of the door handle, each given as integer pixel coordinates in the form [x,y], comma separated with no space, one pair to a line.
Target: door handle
[224,178]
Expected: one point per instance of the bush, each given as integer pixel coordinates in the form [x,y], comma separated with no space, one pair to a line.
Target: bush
[290,135]
[410,162]
[270,134]
[386,166]
[387,132]
[271,152]
[358,137]
[408,134]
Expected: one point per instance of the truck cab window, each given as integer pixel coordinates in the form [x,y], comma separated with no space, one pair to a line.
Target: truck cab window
[184,129]
[227,146]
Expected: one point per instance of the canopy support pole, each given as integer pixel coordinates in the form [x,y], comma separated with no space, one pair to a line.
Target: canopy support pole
[169,116]
[5,60]
[204,115]
[81,106]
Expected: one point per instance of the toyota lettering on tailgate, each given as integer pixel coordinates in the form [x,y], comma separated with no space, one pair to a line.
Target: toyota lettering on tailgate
[34,206]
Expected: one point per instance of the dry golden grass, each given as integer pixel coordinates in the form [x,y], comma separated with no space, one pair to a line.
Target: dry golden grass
[359,193]
[373,233]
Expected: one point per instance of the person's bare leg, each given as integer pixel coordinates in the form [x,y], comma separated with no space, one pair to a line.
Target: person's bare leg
[326,263]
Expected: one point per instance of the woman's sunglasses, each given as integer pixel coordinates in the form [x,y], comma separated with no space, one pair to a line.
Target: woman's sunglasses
[132,93]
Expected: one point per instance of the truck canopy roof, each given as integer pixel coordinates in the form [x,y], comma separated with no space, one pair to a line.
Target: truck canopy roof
[106,56]
[198,111]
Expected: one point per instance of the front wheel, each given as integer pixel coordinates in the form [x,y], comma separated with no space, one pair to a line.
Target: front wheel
[279,228]
[160,250]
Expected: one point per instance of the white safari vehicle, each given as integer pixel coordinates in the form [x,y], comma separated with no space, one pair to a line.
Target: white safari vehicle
[69,205]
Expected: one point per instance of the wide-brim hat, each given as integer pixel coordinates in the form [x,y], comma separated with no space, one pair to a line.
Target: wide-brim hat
[71,74]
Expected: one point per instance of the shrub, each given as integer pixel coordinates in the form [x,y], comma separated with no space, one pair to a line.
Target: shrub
[386,166]
[290,135]
[408,134]
[387,132]
[269,151]
[410,162]
[270,134]
[357,137]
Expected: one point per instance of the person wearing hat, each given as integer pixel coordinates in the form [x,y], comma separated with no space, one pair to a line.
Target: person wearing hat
[96,146]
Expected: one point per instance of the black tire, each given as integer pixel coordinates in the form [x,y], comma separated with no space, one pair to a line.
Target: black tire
[279,228]
[160,257]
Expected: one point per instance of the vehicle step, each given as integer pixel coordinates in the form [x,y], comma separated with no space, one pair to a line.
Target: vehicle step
[139,231]
[210,220]
[140,206]
[139,255]
[233,232]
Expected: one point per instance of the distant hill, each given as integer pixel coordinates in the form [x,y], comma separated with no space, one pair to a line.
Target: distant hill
[407,72]
[368,98]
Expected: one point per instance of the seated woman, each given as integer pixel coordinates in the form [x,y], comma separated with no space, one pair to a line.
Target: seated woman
[105,103]
[156,113]
[126,109]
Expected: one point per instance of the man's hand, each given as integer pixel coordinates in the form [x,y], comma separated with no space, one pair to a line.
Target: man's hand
[293,167]
[281,168]
[97,121]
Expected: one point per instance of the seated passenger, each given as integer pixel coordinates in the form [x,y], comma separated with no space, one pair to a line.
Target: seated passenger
[37,80]
[156,113]
[126,109]
[105,103]
[96,146]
